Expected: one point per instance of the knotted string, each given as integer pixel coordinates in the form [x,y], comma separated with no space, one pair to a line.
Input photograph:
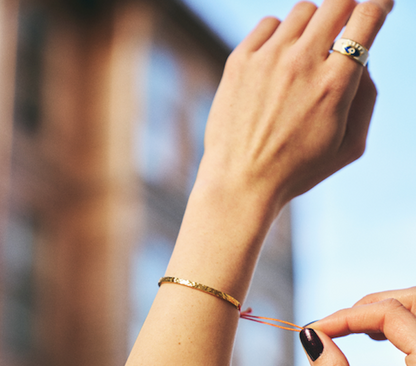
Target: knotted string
[247,315]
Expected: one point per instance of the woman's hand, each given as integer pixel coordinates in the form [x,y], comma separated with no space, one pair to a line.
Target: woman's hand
[387,315]
[406,297]
[287,113]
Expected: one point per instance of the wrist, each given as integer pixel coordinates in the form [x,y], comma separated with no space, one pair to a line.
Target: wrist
[223,230]
[240,189]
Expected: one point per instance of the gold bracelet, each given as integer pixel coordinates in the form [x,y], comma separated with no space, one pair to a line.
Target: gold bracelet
[203,288]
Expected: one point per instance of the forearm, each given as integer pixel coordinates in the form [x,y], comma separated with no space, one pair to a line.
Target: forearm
[218,246]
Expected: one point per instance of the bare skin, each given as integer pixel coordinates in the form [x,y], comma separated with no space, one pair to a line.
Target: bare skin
[287,115]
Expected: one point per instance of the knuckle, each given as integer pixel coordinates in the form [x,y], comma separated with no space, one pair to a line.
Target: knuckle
[371,11]
[392,304]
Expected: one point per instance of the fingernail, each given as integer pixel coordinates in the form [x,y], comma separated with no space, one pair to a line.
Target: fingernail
[311,343]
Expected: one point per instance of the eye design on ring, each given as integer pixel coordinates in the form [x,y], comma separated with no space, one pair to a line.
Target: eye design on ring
[352,51]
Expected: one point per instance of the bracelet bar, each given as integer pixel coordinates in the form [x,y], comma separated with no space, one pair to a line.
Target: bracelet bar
[203,288]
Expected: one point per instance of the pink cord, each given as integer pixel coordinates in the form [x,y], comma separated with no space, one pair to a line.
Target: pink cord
[247,315]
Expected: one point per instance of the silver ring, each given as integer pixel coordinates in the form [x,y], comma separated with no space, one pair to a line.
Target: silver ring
[352,49]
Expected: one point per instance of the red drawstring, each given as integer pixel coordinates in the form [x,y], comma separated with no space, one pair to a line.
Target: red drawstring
[246,315]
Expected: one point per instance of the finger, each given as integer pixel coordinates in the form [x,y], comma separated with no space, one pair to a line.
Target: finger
[320,349]
[295,23]
[388,317]
[359,118]
[263,31]
[326,24]
[366,21]
[406,296]
[362,27]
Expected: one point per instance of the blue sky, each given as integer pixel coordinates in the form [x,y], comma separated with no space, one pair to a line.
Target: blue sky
[355,233]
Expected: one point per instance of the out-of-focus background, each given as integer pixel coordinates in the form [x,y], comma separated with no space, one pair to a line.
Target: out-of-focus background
[103,105]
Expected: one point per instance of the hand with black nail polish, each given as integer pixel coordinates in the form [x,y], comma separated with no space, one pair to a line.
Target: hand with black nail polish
[389,315]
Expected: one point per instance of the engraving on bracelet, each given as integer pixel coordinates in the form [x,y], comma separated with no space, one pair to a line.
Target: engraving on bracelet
[203,288]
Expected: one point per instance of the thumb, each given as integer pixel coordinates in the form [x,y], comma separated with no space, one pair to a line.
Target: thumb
[321,350]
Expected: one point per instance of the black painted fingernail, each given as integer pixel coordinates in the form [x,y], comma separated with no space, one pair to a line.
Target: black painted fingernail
[311,343]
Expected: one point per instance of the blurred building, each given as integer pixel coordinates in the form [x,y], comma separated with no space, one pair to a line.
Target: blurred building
[103,107]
